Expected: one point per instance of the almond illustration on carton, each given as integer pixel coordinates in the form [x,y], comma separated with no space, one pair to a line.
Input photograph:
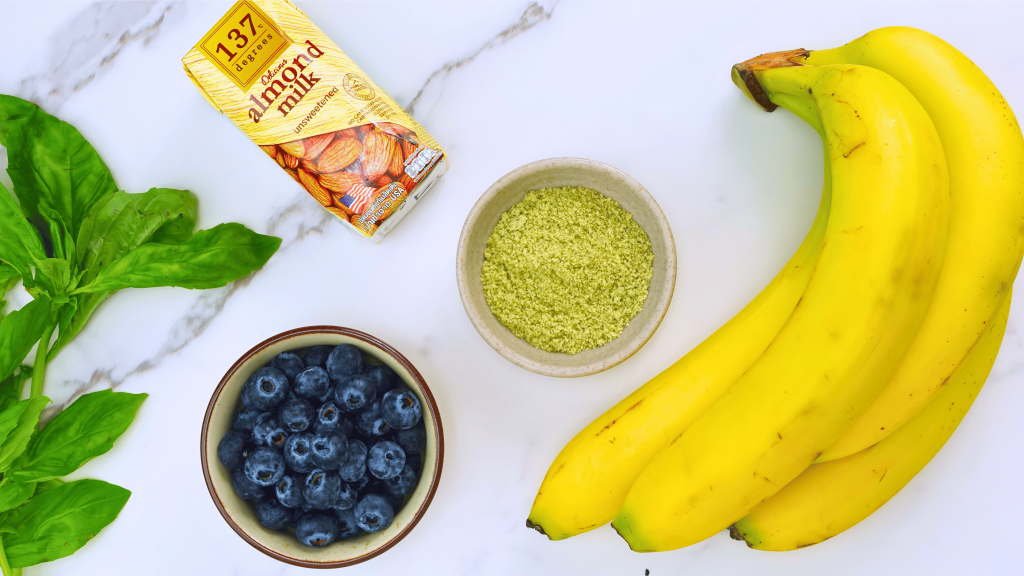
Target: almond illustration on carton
[340,181]
[314,145]
[382,182]
[339,209]
[291,161]
[270,150]
[339,155]
[310,183]
[378,150]
[280,160]
[397,166]
[349,133]
[295,148]
[310,166]
[408,148]
[406,182]
[293,175]
[395,130]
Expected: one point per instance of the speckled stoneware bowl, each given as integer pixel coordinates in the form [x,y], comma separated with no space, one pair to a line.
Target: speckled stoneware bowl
[511,188]
[240,516]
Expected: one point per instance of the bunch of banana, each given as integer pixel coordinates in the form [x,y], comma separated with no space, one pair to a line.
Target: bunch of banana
[839,382]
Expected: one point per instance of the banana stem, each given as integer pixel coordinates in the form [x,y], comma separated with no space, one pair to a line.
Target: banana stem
[744,78]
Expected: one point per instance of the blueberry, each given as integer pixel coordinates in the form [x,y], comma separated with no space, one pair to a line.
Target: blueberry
[355,467]
[412,440]
[294,520]
[246,418]
[385,460]
[401,409]
[347,526]
[311,382]
[244,487]
[383,378]
[397,502]
[316,530]
[374,513]
[317,356]
[271,514]
[371,422]
[330,450]
[289,491]
[295,415]
[404,483]
[327,397]
[361,483]
[264,466]
[322,489]
[289,363]
[414,461]
[346,427]
[266,389]
[328,418]
[231,449]
[354,393]
[298,452]
[268,432]
[344,360]
[346,497]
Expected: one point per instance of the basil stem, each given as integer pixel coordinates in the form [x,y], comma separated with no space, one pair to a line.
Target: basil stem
[39,370]
[4,564]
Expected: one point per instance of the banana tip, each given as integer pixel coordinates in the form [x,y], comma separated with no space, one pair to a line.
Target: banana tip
[536,527]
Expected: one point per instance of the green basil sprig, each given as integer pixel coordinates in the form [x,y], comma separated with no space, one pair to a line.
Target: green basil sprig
[74,239]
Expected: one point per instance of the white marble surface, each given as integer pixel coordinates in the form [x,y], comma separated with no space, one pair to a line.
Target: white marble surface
[643,87]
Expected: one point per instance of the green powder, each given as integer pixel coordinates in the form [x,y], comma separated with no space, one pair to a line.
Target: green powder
[566,269]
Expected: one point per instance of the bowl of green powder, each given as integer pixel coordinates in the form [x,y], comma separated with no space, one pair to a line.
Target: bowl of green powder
[566,266]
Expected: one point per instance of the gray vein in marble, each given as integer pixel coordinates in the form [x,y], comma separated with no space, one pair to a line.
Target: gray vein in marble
[534,14]
[87,44]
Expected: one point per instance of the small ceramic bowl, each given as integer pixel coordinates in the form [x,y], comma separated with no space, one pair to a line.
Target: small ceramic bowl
[240,516]
[511,188]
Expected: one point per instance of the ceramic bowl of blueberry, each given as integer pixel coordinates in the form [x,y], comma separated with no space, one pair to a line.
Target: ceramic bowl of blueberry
[322,447]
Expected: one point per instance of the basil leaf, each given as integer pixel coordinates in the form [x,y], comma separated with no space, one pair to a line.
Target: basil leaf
[121,222]
[25,418]
[47,485]
[74,315]
[83,431]
[57,523]
[14,494]
[20,243]
[19,331]
[209,259]
[9,276]
[51,164]
[59,236]
[12,386]
[54,275]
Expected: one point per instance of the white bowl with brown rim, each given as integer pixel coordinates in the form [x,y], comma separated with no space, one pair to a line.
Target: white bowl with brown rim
[241,517]
[558,172]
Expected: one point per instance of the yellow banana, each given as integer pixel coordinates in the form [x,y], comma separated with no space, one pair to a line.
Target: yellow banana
[829,498]
[869,291]
[985,156]
[588,480]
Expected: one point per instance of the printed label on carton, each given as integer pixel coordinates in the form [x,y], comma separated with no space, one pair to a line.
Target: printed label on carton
[316,114]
